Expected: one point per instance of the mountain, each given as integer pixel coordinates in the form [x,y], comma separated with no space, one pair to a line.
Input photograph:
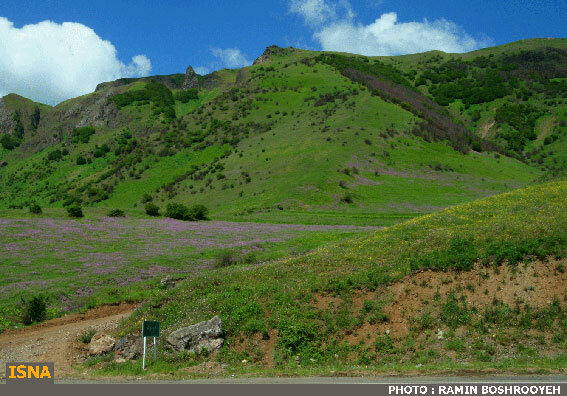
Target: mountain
[299,136]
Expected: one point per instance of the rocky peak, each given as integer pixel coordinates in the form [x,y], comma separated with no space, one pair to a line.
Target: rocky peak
[271,50]
[191,80]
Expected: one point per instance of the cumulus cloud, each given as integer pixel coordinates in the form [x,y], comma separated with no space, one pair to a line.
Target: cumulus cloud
[385,36]
[51,62]
[231,57]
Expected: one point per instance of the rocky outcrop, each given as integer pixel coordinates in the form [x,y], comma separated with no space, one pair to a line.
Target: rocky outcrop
[129,347]
[101,344]
[191,80]
[270,51]
[205,335]
[93,110]
[6,123]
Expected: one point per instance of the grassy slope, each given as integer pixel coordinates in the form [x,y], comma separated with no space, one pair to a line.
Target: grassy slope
[294,167]
[545,155]
[282,299]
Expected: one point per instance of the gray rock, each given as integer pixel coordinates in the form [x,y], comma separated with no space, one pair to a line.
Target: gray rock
[129,347]
[210,345]
[207,334]
[167,283]
[6,122]
[101,344]
[191,79]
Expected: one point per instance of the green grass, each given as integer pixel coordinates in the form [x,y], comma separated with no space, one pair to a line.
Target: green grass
[79,264]
[280,296]
[294,158]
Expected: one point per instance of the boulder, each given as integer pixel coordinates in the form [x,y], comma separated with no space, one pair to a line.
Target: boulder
[101,344]
[167,283]
[207,334]
[191,80]
[129,347]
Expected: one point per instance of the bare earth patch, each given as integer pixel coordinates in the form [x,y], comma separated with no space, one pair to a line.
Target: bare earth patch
[56,340]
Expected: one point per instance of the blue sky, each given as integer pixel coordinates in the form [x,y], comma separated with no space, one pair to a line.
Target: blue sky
[167,36]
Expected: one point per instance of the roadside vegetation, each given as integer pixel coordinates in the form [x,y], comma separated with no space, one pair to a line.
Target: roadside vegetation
[338,306]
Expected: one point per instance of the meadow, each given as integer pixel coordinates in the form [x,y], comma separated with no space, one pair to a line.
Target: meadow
[79,264]
[334,307]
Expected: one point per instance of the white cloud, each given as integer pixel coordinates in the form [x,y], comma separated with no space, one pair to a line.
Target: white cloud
[314,12]
[385,36]
[202,70]
[51,62]
[231,57]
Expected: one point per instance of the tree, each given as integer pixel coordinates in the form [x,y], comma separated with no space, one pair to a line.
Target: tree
[152,209]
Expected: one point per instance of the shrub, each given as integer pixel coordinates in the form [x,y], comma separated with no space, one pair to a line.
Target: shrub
[82,135]
[35,208]
[177,211]
[226,259]
[181,212]
[9,142]
[86,336]
[81,160]
[55,155]
[147,198]
[198,212]
[347,198]
[116,213]
[186,96]
[75,211]
[34,309]
[152,209]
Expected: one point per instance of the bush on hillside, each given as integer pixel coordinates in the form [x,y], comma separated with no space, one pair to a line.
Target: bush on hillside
[347,198]
[75,211]
[34,309]
[82,135]
[9,142]
[35,208]
[179,211]
[152,209]
[199,212]
[55,155]
[186,96]
[81,160]
[116,213]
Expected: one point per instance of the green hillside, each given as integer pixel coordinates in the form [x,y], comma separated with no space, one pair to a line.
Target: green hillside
[298,137]
[473,286]
[513,95]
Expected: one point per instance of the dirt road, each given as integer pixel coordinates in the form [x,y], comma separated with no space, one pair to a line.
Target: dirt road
[56,340]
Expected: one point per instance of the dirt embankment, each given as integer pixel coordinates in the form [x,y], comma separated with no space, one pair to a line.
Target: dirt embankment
[535,283]
[56,340]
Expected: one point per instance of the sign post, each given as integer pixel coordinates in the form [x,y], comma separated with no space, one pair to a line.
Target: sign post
[149,329]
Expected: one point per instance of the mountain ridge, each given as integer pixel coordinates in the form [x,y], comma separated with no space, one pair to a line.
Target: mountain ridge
[225,140]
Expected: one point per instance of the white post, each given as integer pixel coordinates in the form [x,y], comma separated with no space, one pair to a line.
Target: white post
[144,358]
[155,355]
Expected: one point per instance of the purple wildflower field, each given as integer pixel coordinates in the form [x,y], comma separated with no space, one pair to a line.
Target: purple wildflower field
[72,261]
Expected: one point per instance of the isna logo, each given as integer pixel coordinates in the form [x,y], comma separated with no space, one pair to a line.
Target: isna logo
[30,373]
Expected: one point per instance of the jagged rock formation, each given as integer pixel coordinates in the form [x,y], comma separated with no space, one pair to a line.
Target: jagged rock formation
[191,80]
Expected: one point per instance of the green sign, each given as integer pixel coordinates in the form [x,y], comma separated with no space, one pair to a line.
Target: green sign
[150,329]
